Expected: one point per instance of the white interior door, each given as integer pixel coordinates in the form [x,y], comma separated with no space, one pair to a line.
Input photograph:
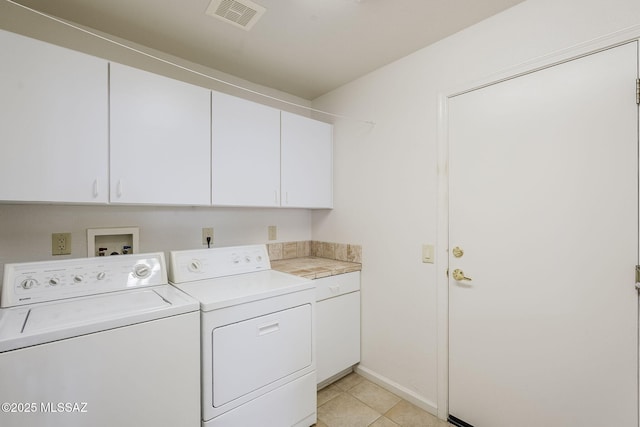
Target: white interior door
[544,204]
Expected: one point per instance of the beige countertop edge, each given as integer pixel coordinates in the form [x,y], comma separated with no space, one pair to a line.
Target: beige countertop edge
[314,267]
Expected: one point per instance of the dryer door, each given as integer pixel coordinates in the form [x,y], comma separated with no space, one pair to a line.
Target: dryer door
[256,352]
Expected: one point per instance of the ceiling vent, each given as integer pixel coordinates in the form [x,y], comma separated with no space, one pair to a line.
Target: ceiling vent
[241,13]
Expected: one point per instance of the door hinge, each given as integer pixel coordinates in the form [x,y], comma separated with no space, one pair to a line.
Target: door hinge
[638,277]
[638,91]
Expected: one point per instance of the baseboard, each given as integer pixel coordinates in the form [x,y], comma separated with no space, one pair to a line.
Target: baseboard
[397,389]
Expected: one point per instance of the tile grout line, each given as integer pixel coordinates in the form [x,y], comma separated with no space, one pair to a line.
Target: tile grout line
[380,415]
[345,388]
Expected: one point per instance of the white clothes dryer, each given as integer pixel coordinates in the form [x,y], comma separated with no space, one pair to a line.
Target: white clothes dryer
[258,337]
[100,341]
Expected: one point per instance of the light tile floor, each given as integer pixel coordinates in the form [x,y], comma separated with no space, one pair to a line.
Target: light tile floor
[354,401]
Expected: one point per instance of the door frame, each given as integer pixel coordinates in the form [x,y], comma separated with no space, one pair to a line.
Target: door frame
[442,243]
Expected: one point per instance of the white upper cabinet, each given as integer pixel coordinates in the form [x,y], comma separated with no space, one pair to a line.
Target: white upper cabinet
[306,162]
[264,157]
[245,152]
[76,129]
[53,123]
[160,139]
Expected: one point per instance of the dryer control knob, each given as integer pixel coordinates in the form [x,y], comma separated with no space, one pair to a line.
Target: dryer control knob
[194,266]
[54,281]
[78,278]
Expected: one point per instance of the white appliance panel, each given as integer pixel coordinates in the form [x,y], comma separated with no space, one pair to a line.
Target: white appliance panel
[103,307]
[249,354]
[40,323]
[33,282]
[238,313]
[199,264]
[146,374]
[221,292]
[258,337]
[100,346]
[288,405]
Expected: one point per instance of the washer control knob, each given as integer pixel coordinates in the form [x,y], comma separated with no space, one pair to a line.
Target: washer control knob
[247,259]
[28,283]
[54,281]
[101,276]
[78,278]
[142,271]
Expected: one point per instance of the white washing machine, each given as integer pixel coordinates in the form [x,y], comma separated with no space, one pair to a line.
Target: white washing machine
[98,342]
[258,337]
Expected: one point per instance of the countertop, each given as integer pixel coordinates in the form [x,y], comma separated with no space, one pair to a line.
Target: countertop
[312,267]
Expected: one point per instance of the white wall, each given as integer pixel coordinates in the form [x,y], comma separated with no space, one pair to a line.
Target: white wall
[25,230]
[386,177]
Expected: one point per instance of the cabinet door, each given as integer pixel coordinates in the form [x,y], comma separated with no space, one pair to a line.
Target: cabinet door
[307,162]
[160,139]
[338,334]
[53,123]
[245,152]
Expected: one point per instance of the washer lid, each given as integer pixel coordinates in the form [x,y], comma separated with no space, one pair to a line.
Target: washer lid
[227,291]
[40,323]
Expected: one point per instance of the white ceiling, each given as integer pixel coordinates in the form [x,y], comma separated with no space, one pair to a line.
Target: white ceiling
[302,47]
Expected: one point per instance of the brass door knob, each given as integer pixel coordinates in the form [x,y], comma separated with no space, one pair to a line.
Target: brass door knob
[459,275]
[457,252]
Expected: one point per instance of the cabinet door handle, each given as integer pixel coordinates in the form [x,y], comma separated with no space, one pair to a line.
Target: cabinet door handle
[334,288]
[275,197]
[119,188]
[95,188]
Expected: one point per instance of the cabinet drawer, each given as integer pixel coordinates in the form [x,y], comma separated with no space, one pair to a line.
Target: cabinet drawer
[329,287]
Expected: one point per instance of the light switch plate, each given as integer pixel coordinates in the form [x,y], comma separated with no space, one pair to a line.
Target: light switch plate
[427,254]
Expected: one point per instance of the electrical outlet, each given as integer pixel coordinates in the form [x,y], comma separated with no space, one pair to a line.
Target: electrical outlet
[207,232]
[61,244]
[273,232]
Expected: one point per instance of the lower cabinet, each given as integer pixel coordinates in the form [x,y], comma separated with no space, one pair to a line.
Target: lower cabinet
[337,324]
